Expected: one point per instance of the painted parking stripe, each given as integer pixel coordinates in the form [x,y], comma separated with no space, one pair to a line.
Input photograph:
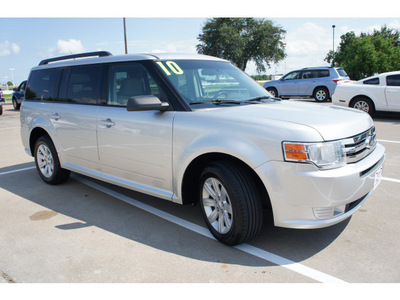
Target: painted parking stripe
[387,141]
[391,179]
[273,258]
[18,170]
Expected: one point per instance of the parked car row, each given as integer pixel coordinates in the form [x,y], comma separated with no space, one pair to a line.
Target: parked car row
[376,93]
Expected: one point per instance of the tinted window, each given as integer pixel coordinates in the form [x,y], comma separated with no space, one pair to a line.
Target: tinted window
[323,73]
[43,85]
[83,85]
[374,81]
[393,80]
[310,74]
[342,72]
[131,80]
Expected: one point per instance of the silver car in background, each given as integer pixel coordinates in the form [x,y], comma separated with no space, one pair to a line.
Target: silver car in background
[196,130]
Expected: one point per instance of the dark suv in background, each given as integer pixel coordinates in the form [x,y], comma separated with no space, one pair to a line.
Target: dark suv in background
[318,83]
[18,95]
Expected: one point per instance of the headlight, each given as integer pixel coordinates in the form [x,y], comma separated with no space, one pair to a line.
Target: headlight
[325,155]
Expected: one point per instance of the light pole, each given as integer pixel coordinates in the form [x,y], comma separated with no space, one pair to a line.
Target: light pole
[12,76]
[333,44]
[126,44]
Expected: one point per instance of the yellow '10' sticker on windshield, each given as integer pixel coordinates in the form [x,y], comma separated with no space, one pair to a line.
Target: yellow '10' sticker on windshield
[172,66]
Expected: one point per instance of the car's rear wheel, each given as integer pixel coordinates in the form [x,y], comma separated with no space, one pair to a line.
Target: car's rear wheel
[321,94]
[230,203]
[47,162]
[364,104]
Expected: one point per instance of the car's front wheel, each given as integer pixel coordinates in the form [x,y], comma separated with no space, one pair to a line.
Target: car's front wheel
[230,203]
[273,92]
[47,162]
[15,104]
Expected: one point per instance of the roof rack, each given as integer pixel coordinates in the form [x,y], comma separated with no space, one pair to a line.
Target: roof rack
[73,56]
[320,67]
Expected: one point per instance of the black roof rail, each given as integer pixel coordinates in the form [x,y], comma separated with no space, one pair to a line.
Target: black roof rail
[321,67]
[73,56]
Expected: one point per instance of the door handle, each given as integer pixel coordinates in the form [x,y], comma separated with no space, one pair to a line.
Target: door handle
[107,122]
[55,116]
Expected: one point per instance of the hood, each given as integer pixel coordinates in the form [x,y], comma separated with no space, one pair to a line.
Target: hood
[332,122]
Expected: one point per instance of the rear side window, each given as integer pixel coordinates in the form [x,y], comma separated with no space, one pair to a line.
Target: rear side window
[43,85]
[322,73]
[83,85]
[393,80]
[342,72]
[373,81]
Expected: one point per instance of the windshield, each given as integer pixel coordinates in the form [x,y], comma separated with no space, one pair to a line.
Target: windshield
[204,83]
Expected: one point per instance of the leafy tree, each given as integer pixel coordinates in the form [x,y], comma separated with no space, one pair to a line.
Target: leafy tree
[367,54]
[241,40]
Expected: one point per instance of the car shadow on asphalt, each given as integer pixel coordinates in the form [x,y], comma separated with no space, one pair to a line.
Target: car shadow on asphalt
[90,207]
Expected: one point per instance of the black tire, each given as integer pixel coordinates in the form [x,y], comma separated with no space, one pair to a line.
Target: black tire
[273,91]
[47,162]
[15,104]
[237,209]
[364,104]
[321,94]
[1,110]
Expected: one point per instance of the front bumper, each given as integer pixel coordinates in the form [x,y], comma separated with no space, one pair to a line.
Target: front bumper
[302,196]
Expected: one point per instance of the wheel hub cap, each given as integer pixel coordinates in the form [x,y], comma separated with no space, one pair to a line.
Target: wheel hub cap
[45,161]
[217,205]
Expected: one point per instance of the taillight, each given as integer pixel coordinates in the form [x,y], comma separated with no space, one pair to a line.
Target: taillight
[337,80]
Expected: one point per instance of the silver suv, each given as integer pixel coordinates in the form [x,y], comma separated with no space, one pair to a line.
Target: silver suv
[318,83]
[196,130]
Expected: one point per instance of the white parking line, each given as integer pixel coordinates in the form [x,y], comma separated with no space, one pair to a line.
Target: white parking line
[387,141]
[18,170]
[391,179]
[275,259]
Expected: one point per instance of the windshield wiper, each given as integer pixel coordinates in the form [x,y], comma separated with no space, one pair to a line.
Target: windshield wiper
[261,98]
[216,101]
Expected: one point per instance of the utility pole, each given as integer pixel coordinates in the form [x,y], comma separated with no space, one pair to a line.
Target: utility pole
[333,45]
[126,43]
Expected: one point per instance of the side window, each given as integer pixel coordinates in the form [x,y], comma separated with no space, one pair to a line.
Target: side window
[84,85]
[43,85]
[130,80]
[291,76]
[310,74]
[374,81]
[393,80]
[22,86]
[323,73]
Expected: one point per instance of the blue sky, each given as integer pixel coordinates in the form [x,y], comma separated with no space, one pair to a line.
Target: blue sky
[25,41]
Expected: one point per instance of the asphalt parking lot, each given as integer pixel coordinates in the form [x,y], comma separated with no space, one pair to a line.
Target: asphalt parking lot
[92,232]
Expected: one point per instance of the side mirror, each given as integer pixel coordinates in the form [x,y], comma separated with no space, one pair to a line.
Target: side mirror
[146,102]
[15,89]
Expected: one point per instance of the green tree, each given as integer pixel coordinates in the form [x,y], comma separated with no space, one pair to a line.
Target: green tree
[241,40]
[367,54]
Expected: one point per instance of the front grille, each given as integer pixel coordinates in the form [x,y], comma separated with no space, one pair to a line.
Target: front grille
[359,146]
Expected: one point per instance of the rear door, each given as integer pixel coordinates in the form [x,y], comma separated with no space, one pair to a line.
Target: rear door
[75,117]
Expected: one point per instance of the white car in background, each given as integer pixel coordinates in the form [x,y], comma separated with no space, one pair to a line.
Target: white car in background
[376,93]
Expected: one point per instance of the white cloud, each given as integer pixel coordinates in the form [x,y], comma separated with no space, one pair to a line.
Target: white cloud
[8,48]
[64,47]
[69,47]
